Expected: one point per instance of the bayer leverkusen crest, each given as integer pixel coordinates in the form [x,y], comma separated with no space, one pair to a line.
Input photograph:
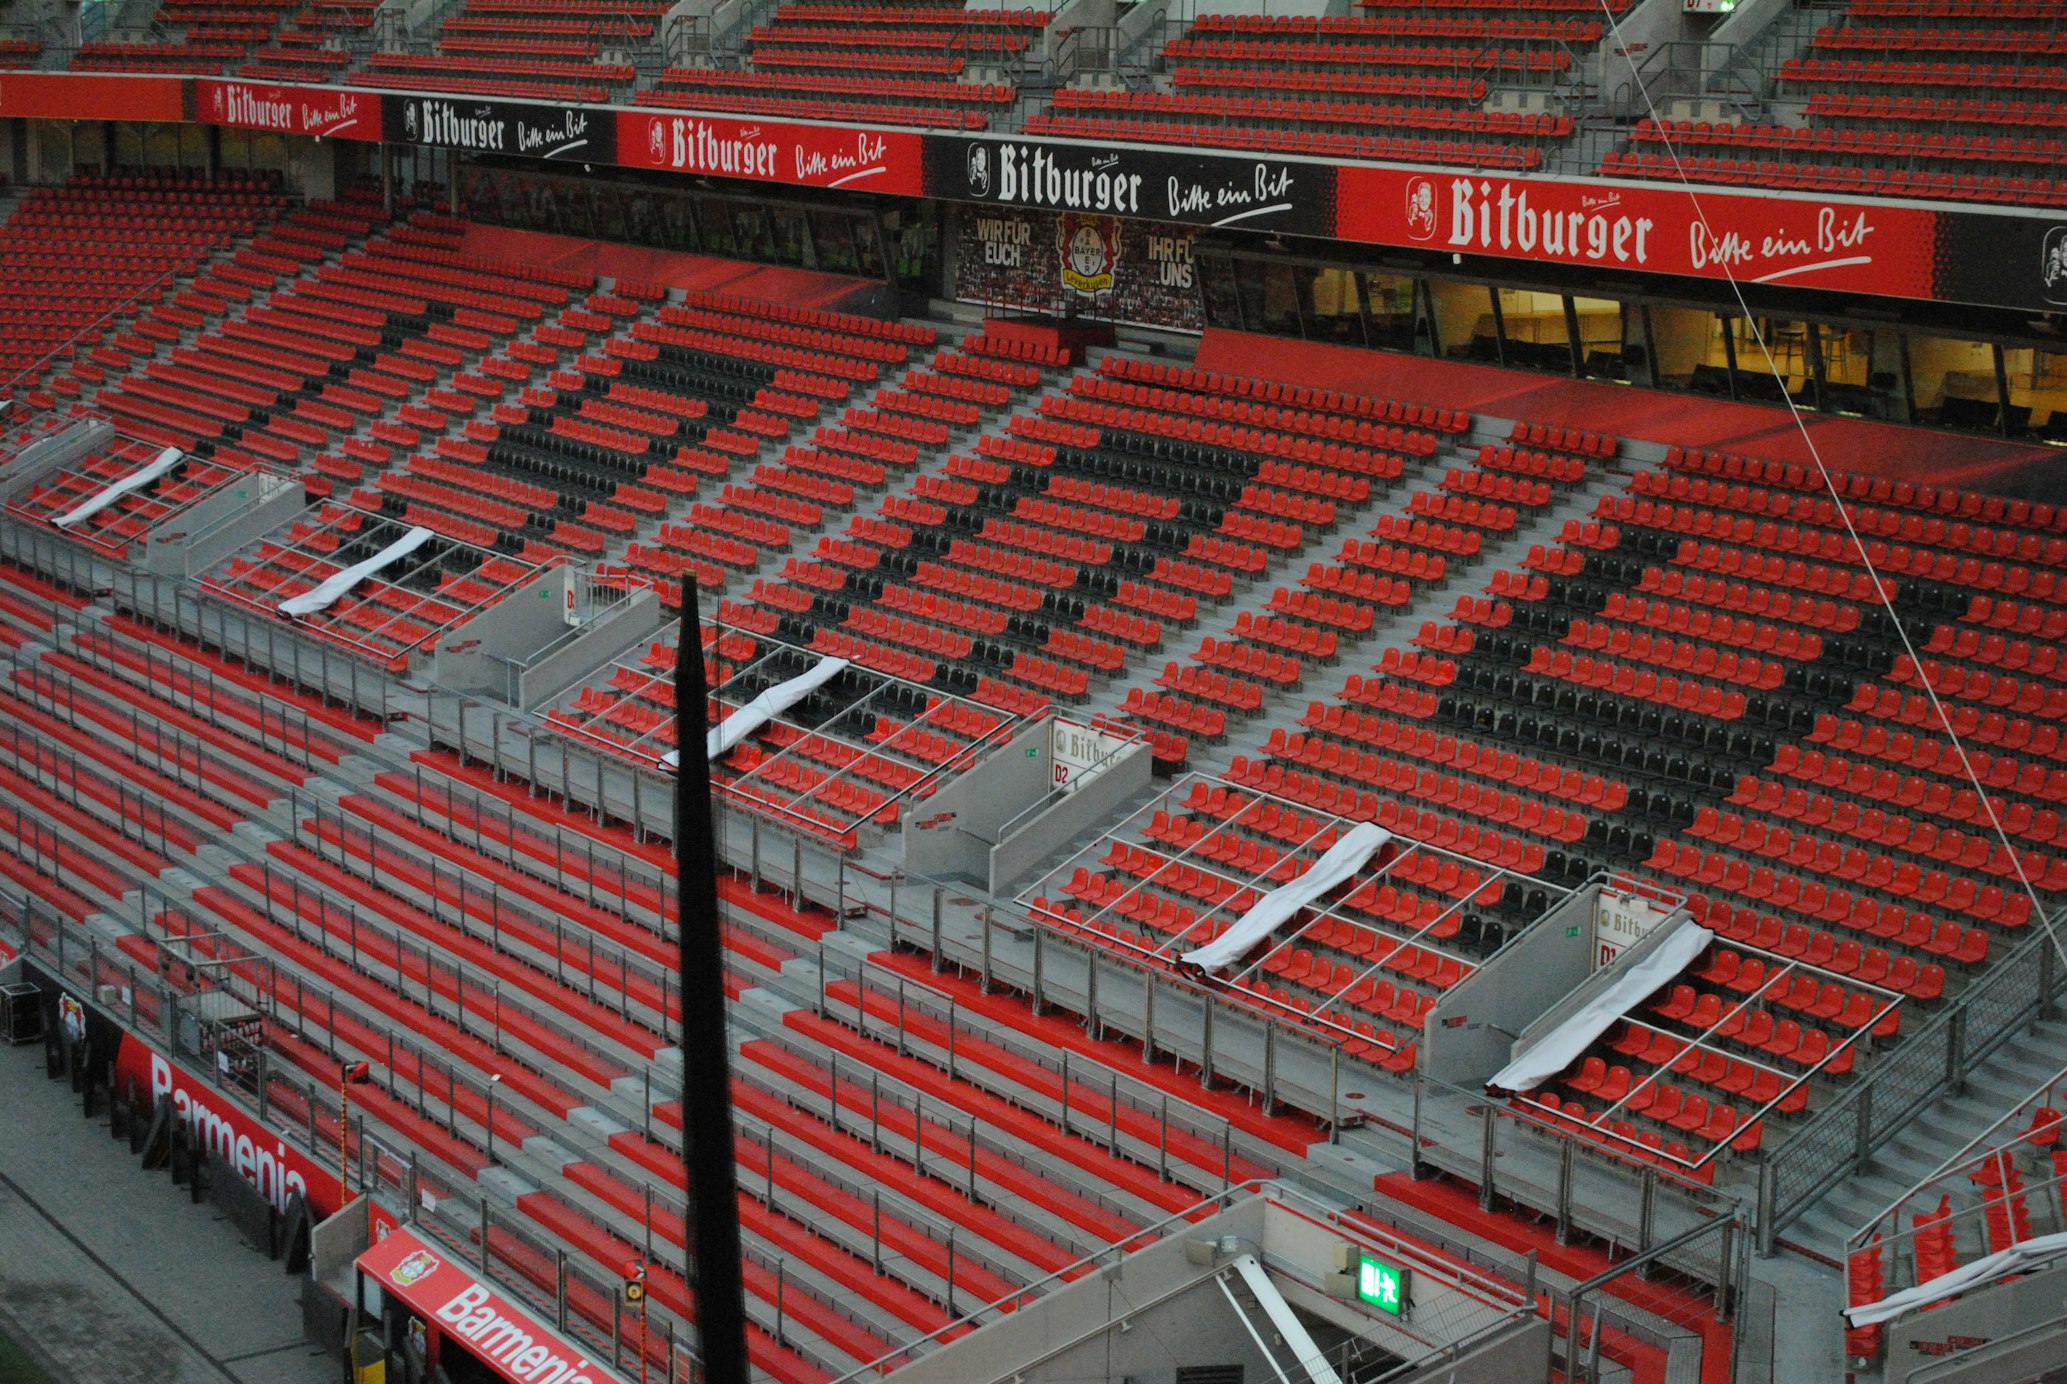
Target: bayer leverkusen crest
[1090,249]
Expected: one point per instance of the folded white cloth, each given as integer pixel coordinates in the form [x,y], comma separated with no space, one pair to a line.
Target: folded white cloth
[1986,1269]
[1556,1050]
[136,480]
[745,720]
[1336,866]
[336,584]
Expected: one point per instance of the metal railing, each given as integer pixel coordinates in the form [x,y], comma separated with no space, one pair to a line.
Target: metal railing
[1590,1316]
[499,1244]
[1744,74]
[2025,1125]
[1504,1301]
[2020,988]
[1222,1042]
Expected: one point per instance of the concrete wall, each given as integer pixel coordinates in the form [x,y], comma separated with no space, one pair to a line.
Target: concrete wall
[1473,1028]
[312,168]
[50,452]
[1070,1337]
[969,810]
[1919,1344]
[1683,335]
[1070,817]
[1159,1310]
[638,619]
[1272,7]
[477,657]
[232,518]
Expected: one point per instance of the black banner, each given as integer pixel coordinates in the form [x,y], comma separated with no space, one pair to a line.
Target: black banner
[2015,262]
[1194,188]
[569,134]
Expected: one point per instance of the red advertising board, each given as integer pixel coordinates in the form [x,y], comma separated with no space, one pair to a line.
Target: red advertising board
[229,1132]
[91,95]
[773,151]
[1802,242]
[503,1335]
[324,112]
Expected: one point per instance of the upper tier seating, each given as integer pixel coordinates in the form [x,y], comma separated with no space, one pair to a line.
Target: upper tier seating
[928,63]
[743,377]
[1395,81]
[542,49]
[316,44]
[201,37]
[1940,99]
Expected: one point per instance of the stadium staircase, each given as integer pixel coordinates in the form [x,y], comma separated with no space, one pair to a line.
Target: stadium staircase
[1992,1087]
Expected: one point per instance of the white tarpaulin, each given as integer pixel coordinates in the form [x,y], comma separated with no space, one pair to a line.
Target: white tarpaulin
[1557,1049]
[1987,1269]
[720,739]
[1342,860]
[136,480]
[337,583]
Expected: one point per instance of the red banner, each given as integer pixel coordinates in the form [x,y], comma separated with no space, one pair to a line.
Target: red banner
[230,1134]
[91,95]
[1802,242]
[773,151]
[503,1335]
[325,112]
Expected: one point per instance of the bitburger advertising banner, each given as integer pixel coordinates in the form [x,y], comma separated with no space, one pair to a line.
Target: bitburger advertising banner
[1195,188]
[1075,263]
[1756,238]
[568,134]
[324,112]
[772,151]
[1980,258]
[1998,257]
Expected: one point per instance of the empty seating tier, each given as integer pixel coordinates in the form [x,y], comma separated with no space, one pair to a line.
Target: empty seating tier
[74,255]
[1889,96]
[1389,83]
[935,65]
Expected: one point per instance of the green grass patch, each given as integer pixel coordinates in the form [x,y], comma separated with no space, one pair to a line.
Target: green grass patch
[16,1367]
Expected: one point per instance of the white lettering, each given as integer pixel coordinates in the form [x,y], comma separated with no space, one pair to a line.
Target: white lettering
[1509,220]
[465,1301]
[1035,177]
[506,1341]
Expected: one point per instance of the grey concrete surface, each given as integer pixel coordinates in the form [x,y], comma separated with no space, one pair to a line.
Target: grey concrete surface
[109,1274]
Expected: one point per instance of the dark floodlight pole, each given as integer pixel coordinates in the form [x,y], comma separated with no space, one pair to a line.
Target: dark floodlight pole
[707,1154]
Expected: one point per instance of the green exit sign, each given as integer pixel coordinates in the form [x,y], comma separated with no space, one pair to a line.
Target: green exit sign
[1382,1285]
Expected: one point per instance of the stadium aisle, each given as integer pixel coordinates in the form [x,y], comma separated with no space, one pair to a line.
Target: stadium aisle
[112,1274]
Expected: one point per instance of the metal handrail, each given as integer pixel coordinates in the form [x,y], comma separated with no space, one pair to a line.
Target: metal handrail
[1960,1163]
[1949,1046]
[1734,1272]
[1156,1230]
